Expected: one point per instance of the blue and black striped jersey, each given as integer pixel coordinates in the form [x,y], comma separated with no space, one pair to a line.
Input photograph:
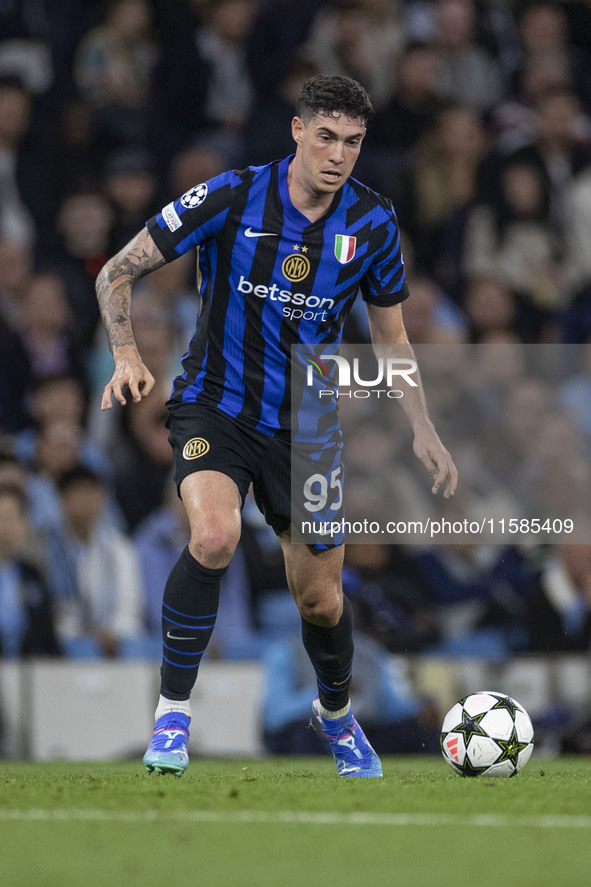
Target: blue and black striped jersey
[269,279]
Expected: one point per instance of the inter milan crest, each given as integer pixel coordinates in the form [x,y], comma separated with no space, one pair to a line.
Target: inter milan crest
[344,248]
[195,196]
[195,448]
[295,267]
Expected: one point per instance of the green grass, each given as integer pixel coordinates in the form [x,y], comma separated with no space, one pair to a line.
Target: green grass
[260,824]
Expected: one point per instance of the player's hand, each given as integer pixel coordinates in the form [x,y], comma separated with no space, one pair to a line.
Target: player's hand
[130,372]
[428,448]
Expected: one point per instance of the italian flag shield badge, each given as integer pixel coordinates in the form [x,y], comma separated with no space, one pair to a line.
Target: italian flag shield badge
[344,248]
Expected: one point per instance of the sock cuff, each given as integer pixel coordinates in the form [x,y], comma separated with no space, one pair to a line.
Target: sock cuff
[198,571]
[333,715]
[168,706]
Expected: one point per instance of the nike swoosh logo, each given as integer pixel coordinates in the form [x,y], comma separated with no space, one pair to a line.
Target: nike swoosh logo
[250,233]
[175,637]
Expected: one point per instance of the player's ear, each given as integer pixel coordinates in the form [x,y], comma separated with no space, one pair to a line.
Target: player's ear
[297,129]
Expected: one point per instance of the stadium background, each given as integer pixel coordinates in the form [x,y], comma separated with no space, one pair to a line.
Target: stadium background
[483,140]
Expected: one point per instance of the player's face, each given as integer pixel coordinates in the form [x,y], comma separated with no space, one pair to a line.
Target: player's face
[327,148]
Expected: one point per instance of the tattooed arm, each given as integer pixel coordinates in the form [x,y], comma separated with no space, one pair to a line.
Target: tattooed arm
[113,290]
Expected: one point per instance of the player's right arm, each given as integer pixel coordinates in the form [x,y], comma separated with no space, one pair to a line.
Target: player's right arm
[195,217]
[113,289]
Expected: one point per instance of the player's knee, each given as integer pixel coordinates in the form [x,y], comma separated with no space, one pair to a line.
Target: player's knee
[213,546]
[321,607]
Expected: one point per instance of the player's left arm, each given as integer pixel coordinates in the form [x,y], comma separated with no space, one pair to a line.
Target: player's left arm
[387,330]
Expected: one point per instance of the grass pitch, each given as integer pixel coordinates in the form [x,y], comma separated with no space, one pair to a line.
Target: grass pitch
[285,823]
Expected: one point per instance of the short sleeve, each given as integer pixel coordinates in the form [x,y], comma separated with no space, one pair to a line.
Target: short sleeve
[384,283]
[197,216]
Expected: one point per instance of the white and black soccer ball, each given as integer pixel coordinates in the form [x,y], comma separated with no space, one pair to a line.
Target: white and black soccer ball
[194,196]
[487,734]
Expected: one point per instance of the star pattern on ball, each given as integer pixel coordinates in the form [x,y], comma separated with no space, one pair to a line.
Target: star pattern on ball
[470,726]
[468,768]
[510,748]
[507,703]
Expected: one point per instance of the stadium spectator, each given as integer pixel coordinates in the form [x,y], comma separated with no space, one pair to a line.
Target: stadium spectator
[113,68]
[574,395]
[445,181]
[560,150]
[14,474]
[48,330]
[527,404]
[26,615]
[196,162]
[76,155]
[16,376]
[281,28]
[16,380]
[491,309]
[130,185]
[477,611]
[557,476]
[392,603]
[578,233]
[512,239]
[16,219]
[60,446]
[223,42]
[514,119]
[359,39]
[578,15]
[411,109]
[467,74]
[202,85]
[143,461]
[84,220]
[401,122]
[543,35]
[57,449]
[266,130]
[94,574]
[432,317]
[16,265]
[558,600]
[59,399]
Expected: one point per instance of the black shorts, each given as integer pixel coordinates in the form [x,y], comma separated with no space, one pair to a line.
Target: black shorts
[206,439]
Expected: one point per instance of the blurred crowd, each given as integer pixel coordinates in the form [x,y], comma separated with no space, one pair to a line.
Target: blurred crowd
[108,110]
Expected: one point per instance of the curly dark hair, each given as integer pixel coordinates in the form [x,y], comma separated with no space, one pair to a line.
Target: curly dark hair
[332,96]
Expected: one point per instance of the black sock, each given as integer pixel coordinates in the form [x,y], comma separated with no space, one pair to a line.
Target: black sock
[331,653]
[189,610]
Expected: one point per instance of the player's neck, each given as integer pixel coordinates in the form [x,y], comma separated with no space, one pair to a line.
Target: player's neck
[312,204]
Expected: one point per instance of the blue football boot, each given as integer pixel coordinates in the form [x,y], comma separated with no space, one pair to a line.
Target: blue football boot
[352,752]
[167,752]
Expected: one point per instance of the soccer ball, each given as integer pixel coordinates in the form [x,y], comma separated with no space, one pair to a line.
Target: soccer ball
[487,734]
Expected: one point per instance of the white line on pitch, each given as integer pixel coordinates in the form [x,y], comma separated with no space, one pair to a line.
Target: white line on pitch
[486,820]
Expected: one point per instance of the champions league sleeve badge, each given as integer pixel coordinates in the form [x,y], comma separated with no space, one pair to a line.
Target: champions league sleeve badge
[194,196]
